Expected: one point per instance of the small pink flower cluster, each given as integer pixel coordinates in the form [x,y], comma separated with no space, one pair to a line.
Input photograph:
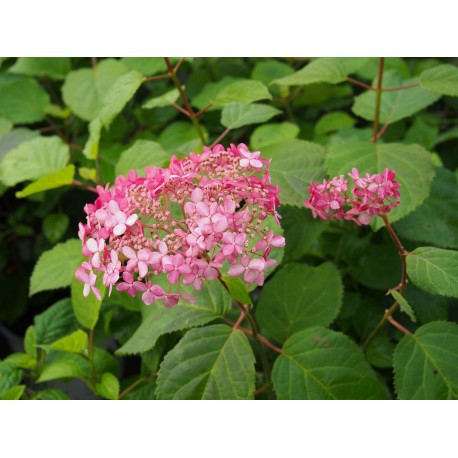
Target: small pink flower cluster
[368,196]
[184,222]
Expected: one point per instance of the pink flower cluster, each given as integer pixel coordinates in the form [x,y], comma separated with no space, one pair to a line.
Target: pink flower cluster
[200,216]
[358,201]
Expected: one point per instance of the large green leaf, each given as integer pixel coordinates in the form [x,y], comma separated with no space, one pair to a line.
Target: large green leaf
[23,100]
[181,137]
[442,79]
[333,121]
[436,220]
[13,139]
[5,126]
[9,377]
[269,134]
[245,92]
[211,90]
[411,163]
[53,180]
[318,363]
[299,297]
[434,270]
[86,309]
[34,159]
[164,100]
[426,363]
[395,105]
[55,225]
[147,66]
[84,90]
[235,115]
[54,67]
[65,365]
[108,386]
[56,267]
[295,164]
[122,90]
[214,362]
[143,153]
[212,302]
[76,342]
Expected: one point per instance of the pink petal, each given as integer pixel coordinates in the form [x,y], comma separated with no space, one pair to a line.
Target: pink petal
[129,252]
[244,162]
[202,209]
[197,195]
[113,206]
[132,219]
[119,229]
[142,269]
[148,297]
[92,245]
[236,270]
[250,276]
[256,163]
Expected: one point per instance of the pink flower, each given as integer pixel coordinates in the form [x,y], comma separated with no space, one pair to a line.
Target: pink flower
[127,284]
[89,280]
[140,260]
[253,269]
[97,249]
[150,292]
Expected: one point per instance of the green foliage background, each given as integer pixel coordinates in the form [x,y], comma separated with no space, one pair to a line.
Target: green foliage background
[67,124]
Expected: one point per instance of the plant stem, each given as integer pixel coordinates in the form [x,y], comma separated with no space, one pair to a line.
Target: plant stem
[131,387]
[398,325]
[386,89]
[185,100]
[378,97]
[220,137]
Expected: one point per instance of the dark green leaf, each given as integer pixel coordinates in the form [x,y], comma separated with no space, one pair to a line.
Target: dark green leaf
[270,134]
[55,225]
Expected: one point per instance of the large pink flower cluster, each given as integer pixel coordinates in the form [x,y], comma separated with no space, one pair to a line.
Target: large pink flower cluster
[358,200]
[188,222]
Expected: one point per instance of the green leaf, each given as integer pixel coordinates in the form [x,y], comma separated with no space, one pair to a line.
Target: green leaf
[295,164]
[411,163]
[84,90]
[214,362]
[21,361]
[333,121]
[318,363]
[53,395]
[164,100]
[243,92]
[14,393]
[91,148]
[269,70]
[108,386]
[212,302]
[211,90]
[181,138]
[235,115]
[442,79]
[23,101]
[86,309]
[423,131]
[30,341]
[54,67]
[14,138]
[404,305]
[55,225]
[56,267]
[380,351]
[5,126]
[104,362]
[147,66]
[65,365]
[323,70]
[299,297]
[146,391]
[427,307]
[76,342]
[51,181]
[237,289]
[54,323]
[122,90]
[395,105]
[426,363]
[9,377]
[270,134]
[143,153]
[34,159]
[436,220]
[434,270]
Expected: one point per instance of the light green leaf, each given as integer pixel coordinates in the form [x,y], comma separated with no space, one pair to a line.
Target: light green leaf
[143,153]
[23,101]
[30,342]
[269,70]
[436,220]
[211,90]
[411,163]
[333,121]
[426,363]
[55,225]
[21,360]
[76,342]
[318,363]
[270,134]
[235,115]
[14,138]
[54,323]
[180,138]
[243,92]
[212,302]
[91,148]
[434,270]
[108,386]
[56,267]
[323,70]
[14,393]
[404,305]
[84,90]
[214,362]
[299,297]
[34,159]
[295,164]
[54,67]
[147,66]
[237,289]
[53,395]
[51,181]
[65,365]
[5,126]
[86,309]
[442,79]
[164,100]
[395,105]
[122,90]
[9,377]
